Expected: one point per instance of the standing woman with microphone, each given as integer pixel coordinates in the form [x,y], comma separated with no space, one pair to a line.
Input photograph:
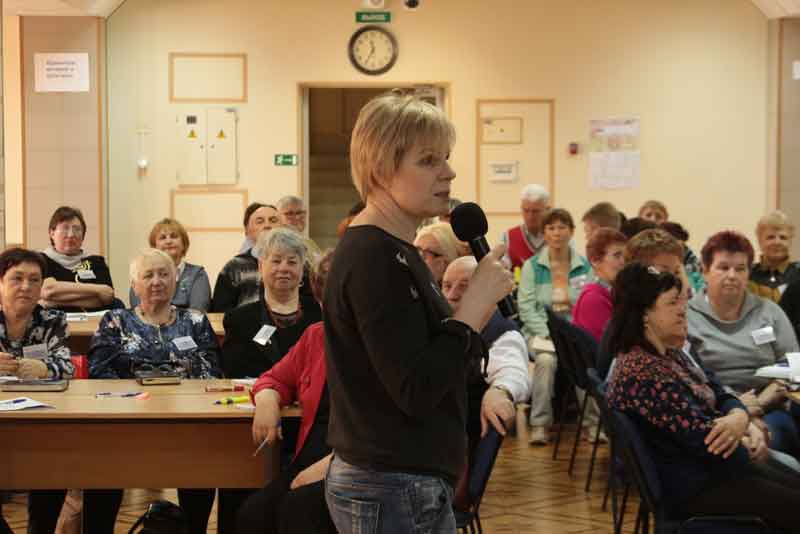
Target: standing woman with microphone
[397,361]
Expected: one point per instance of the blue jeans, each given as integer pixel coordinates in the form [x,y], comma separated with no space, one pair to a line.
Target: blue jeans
[363,501]
[783,430]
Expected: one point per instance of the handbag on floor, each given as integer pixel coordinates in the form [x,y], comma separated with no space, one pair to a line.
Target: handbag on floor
[161,517]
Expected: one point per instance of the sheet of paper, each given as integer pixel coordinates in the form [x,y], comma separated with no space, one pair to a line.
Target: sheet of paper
[794,363]
[21,403]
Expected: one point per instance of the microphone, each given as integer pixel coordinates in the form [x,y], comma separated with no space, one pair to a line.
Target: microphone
[469,224]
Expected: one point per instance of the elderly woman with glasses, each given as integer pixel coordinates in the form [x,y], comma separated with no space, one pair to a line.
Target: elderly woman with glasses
[438,246]
[76,281]
[154,335]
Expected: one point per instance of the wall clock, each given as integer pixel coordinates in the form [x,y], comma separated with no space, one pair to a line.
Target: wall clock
[372,50]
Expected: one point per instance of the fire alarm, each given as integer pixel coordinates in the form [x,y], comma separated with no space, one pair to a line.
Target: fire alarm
[573,148]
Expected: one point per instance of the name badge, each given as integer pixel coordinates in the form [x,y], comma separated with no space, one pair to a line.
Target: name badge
[579,281]
[86,274]
[184,343]
[763,336]
[35,352]
[264,334]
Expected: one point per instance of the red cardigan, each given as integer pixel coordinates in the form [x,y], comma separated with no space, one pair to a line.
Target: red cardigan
[299,376]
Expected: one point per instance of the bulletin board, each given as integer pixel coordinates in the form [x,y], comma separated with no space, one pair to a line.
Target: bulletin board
[205,77]
[515,147]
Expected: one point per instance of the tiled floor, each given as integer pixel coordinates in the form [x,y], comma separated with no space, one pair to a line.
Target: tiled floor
[528,492]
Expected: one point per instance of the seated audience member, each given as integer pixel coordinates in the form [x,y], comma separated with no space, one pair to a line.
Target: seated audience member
[770,276]
[193,289]
[293,212]
[742,332]
[239,282]
[553,278]
[710,460]
[654,211]
[33,344]
[344,223]
[506,381]
[153,336]
[601,215]
[526,240]
[451,205]
[655,248]
[248,243]
[295,500]
[631,227]
[75,281]
[605,251]
[691,263]
[259,334]
[438,246]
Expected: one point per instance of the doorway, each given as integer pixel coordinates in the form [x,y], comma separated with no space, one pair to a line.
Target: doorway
[329,115]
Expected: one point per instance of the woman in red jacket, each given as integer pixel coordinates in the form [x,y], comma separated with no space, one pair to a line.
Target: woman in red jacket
[295,500]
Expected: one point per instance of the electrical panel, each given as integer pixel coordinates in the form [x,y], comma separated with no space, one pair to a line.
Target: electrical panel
[207,147]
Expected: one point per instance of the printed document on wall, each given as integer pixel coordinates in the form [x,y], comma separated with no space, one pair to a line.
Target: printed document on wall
[614,158]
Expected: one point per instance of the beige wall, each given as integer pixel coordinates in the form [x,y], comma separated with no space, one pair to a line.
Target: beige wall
[12,126]
[694,71]
[62,132]
[790,126]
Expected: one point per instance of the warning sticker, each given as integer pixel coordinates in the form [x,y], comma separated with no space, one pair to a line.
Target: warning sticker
[221,135]
[192,134]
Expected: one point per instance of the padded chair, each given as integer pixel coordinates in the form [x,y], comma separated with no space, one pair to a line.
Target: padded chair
[555,325]
[639,465]
[479,472]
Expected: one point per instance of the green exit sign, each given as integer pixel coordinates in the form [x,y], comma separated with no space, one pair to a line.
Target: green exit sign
[373,16]
[285,160]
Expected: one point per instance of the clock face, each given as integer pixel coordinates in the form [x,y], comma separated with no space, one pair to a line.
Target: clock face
[373,50]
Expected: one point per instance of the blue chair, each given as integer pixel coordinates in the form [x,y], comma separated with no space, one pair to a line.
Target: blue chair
[639,465]
[479,472]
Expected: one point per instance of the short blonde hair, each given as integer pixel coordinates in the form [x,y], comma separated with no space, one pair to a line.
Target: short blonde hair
[149,254]
[654,205]
[387,127]
[444,235]
[777,219]
[169,224]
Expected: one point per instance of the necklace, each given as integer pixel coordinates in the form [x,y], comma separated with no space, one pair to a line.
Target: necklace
[143,316]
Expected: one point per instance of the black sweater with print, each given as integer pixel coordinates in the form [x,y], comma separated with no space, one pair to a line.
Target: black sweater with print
[397,378]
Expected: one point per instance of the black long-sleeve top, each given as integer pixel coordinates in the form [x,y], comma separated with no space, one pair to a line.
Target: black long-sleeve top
[397,377]
[242,356]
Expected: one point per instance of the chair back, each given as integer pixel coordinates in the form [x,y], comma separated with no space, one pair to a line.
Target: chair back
[558,328]
[639,464]
[482,465]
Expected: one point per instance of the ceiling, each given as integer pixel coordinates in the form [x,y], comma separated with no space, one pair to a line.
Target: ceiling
[93,8]
[103,8]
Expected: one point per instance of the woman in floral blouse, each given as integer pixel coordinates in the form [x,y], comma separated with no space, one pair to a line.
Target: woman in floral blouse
[33,344]
[709,458]
[155,335]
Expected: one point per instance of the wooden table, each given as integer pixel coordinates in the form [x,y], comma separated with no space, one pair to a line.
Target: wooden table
[81,332]
[176,439]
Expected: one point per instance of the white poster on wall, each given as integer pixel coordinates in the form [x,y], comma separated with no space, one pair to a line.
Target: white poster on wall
[61,72]
[614,157]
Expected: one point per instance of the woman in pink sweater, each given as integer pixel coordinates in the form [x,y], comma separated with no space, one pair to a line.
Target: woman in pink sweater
[592,310]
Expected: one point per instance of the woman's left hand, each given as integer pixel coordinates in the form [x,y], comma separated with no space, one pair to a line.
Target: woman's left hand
[313,473]
[727,432]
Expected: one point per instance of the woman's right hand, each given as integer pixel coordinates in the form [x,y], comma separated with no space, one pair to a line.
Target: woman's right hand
[773,394]
[267,419]
[8,364]
[490,283]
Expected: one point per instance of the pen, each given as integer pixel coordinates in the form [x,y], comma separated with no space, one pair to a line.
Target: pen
[220,389]
[233,400]
[260,447]
[17,401]
[114,394]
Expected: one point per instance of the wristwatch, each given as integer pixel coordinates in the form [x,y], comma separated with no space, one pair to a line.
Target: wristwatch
[506,391]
